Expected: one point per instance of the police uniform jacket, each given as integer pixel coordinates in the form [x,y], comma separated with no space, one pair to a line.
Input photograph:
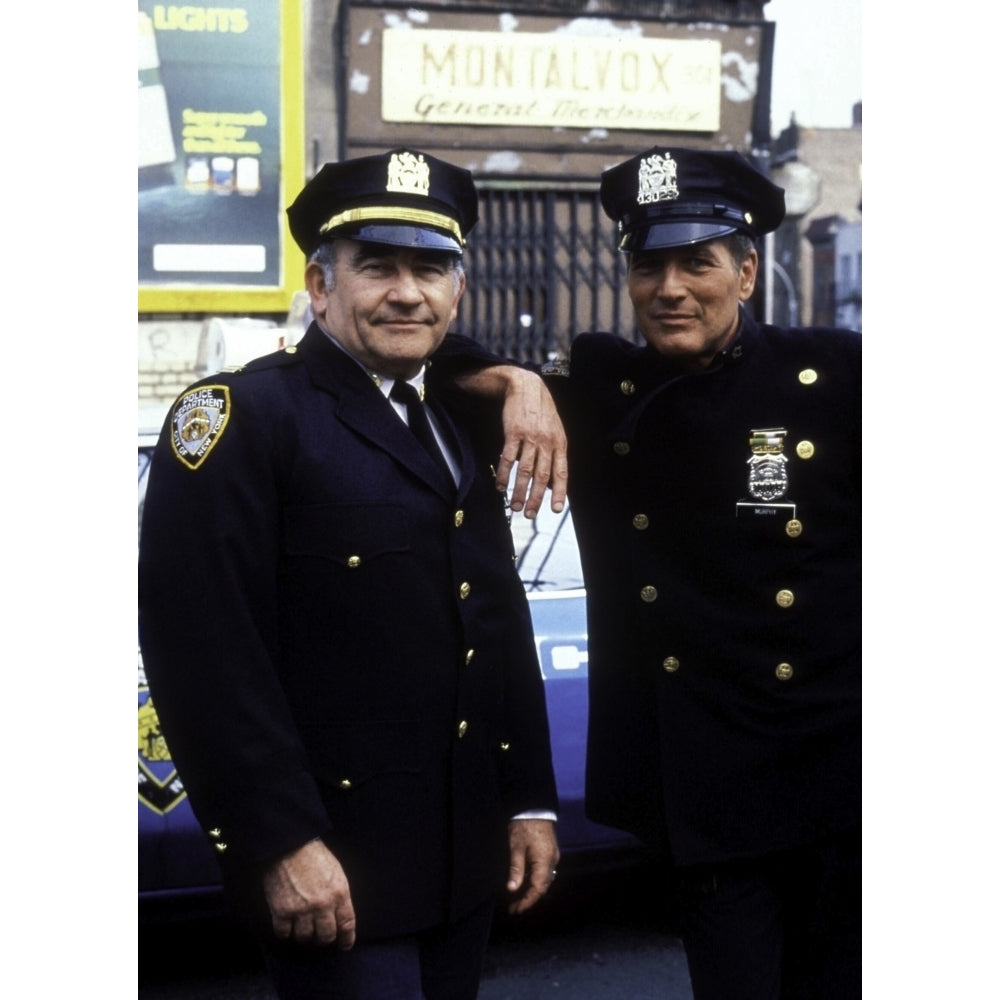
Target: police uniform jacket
[724,647]
[337,642]
[724,650]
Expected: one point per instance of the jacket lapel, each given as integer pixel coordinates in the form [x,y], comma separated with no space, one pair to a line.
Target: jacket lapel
[362,407]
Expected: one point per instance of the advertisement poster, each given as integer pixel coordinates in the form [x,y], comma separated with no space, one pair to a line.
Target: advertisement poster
[211,137]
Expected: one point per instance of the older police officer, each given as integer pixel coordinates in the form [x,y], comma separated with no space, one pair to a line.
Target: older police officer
[336,640]
[715,488]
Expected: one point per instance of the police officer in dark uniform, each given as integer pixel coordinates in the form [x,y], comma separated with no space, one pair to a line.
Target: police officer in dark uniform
[714,478]
[336,640]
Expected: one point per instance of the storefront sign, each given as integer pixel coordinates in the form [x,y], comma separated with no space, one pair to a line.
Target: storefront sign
[532,79]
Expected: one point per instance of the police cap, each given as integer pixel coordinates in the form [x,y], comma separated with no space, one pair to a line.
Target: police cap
[669,198]
[403,198]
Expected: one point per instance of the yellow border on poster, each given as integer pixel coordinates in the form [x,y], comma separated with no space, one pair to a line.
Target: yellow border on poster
[259,299]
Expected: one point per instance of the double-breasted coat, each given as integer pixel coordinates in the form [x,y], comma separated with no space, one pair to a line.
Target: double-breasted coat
[336,639]
[724,628]
[724,620]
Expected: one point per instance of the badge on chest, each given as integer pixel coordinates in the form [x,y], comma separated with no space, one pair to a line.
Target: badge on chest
[767,478]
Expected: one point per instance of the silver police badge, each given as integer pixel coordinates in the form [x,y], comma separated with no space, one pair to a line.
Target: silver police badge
[767,481]
[657,179]
[768,466]
[197,422]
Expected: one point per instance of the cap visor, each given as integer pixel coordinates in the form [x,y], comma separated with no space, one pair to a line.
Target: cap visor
[673,234]
[401,236]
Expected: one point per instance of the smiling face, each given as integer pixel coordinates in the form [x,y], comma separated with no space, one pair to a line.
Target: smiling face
[388,306]
[686,299]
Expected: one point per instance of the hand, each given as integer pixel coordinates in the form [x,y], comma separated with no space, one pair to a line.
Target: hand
[309,897]
[533,438]
[534,855]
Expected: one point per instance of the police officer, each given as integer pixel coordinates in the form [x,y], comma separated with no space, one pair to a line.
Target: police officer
[336,640]
[714,478]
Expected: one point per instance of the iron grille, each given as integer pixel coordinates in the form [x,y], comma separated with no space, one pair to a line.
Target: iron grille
[542,267]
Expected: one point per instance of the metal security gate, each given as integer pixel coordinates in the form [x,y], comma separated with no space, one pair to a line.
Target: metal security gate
[542,267]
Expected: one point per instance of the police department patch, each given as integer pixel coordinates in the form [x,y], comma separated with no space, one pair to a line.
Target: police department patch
[198,420]
[160,786]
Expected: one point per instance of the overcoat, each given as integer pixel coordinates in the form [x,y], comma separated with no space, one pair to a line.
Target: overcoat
[724,626]
[336,640]
[724,630]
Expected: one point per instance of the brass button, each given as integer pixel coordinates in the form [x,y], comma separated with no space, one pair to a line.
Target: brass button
[640,522]
[622,447]
[671,664]
[505,747]
[346,784]
[784,672]
[805,449]
[291,349]
[627,387]
[793,528]
[807,376]
[220,847]
[469,655]
[353,562]
[459,518]
[464,590]
[785,598]
[215,833]
[463,728]
[649,594]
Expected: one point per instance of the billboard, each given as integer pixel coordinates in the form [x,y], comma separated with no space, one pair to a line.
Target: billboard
[220,154]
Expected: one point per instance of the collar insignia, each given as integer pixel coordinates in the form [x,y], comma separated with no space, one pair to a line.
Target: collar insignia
[408,174]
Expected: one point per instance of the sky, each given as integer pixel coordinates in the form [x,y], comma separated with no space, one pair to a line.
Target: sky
[817,62]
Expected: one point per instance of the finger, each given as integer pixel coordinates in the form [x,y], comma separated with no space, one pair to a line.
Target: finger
[505,465]
[515,875]
[525,473]
[558,480]
[346,927]
[538,884]
[327,928]
[303,928]
[539,484]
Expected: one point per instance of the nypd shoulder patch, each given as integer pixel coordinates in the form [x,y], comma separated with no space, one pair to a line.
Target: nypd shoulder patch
[198,420]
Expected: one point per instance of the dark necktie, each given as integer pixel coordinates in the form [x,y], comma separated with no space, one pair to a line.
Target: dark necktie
[416,415]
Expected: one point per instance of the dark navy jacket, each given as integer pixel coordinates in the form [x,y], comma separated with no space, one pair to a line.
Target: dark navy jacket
[337,642]
[724,651]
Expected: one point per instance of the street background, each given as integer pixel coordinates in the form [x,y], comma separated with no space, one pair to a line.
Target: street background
[595,937]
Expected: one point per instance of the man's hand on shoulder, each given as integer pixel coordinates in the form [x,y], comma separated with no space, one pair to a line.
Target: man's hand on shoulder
[309,898]
[534,438]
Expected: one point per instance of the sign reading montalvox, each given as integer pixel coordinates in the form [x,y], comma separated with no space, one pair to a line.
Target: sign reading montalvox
[533,79]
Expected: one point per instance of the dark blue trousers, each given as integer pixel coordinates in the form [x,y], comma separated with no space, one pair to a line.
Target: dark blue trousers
[441,963]
[782,927]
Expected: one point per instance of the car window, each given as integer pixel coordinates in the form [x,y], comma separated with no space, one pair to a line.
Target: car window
[145,457]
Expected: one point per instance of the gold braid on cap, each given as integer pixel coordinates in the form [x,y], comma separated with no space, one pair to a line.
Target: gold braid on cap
[394,214]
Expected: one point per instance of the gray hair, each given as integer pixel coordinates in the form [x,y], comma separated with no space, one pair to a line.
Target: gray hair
[326,256]
[739,246]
